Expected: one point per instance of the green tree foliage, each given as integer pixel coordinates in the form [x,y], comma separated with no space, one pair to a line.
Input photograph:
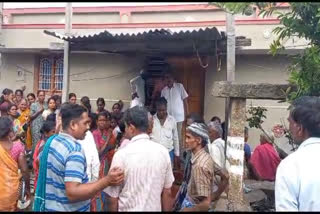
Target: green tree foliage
[302,21]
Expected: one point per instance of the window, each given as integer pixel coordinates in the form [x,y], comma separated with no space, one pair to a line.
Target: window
[50,73]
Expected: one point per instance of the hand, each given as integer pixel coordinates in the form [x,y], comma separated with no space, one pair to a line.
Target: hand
[115,176]
[41,108]
[23,88]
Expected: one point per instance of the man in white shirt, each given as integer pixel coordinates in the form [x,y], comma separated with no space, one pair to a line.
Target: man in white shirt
[176,96]
[165,130]
[216,147]
[92,157]
[298,180]
[147,167]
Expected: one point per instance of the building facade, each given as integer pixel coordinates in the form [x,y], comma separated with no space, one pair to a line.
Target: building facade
[30,57]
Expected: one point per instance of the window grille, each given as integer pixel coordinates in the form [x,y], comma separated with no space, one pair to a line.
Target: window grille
[45,74]
[59,74]
[51,73]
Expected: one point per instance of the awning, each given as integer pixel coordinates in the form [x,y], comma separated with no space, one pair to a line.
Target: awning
[143,41]
[141,34]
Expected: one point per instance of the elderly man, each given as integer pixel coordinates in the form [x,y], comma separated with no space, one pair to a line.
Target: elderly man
[196,189]
[147,166]
[176,96]
[216,147]
[297,179]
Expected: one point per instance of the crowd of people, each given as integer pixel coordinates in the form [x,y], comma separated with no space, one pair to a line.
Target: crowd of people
[73,159]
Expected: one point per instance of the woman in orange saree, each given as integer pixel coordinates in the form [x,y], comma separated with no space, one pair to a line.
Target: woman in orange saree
[24,119]
[11,160]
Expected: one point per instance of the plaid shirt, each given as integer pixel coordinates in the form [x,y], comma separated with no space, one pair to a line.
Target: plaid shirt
[202,172]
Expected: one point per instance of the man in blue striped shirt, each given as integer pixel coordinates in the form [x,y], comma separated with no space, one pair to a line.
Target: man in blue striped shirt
[66,181]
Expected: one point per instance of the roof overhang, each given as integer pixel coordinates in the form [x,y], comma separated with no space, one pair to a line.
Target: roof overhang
[203,41]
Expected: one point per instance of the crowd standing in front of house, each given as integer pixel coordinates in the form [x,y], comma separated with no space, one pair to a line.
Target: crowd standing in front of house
[72,159]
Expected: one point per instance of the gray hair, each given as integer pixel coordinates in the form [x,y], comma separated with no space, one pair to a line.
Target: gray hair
[268,136]
[216,126]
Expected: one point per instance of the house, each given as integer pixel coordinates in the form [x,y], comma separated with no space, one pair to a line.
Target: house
[32,58]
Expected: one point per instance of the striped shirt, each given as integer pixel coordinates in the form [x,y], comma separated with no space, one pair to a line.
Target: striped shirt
[148,171]
[66,163]
[202,172]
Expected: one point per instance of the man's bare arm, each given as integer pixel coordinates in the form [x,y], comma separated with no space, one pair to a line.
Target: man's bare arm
[186,107]
[80,192]
[224,175]
[113,206]
[166,199]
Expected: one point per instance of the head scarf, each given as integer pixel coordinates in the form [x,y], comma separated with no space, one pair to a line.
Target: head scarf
[201,130]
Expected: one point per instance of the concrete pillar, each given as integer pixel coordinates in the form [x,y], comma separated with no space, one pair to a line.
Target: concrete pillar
[235,156]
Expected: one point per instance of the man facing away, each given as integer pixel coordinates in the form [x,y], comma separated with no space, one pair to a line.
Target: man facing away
[165,130]
[176,96]
[63,181]
[297,179]
[147,167]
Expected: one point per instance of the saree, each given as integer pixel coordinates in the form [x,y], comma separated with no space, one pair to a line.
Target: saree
[265,161]
[40,196]
[99,202]
[9,181]
[24,119]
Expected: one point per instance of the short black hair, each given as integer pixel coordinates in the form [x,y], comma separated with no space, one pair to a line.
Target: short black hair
[195,117]
[7,91]
[19,90]
[39,91]
[100,99]
[10,106]
[48,126]
[306,112]
[72,95]
[6,126]
[51,98]
[122,126]
[86,102]
[105,114]
[116,104]
[215,118]
[32,95]
[56,97]
[138,117]
[161,101]
[70,112]
[93,117]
